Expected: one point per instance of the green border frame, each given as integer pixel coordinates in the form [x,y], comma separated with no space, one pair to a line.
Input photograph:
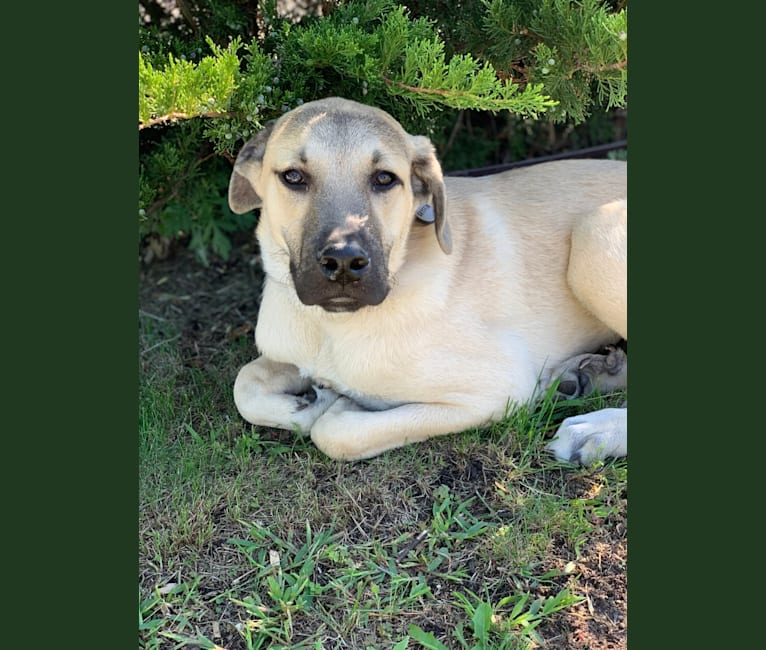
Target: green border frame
[69,324]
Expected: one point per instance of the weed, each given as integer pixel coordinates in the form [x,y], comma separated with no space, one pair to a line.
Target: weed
[452,523]
[170,606]
[492,627]
[285,583]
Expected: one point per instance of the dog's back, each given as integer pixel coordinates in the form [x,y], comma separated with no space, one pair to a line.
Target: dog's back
[512,239]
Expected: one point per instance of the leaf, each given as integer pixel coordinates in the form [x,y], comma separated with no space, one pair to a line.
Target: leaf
[482,621]
[426,639]
[458,634]
[201,641]
[151,625]
[518,606]
[419,588]
[402,645]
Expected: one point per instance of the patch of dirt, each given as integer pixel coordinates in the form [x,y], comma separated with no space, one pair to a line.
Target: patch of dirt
[207,307]
[600,621]
[212,312]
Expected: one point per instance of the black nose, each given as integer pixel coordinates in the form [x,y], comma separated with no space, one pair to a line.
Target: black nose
[344,263]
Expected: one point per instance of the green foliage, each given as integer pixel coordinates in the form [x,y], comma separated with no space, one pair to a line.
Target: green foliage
[182,192]
[182,87]
[170,607]
[286,580]
[494,627]
[569,48]
[232,66]
[452,522]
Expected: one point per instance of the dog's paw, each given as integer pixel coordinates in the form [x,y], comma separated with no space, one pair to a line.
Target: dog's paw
[284,410]
[336,432]
[317,397]
[585,373]
[310,406]
[592,436]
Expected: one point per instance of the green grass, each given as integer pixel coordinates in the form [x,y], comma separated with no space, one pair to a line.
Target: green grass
[253,539]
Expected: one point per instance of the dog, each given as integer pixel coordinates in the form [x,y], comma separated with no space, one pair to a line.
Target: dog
[399,304]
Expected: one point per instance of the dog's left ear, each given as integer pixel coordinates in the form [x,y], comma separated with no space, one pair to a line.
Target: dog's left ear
[247,167]
[428,186]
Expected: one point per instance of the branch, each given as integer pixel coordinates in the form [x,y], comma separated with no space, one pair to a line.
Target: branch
[179,116]
[526,103]
[424,91]
[432,91]
[601,68]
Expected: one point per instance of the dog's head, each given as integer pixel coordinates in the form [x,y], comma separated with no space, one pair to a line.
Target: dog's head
[339,184]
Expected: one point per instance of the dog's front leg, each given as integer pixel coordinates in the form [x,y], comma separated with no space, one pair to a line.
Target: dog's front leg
[347,432]
[276,395]
[592,436]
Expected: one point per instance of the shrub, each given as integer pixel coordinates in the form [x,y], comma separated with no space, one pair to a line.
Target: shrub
[481,78]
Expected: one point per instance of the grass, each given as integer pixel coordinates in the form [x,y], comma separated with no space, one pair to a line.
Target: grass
[251,538]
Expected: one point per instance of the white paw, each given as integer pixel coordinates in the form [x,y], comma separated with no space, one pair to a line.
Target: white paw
[311,408]
[592,436]
[338,432]
[282,410]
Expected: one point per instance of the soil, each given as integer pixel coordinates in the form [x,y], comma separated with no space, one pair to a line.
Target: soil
[205,305]
[208,306]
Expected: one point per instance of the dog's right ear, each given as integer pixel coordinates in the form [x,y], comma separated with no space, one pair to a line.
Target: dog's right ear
[247,167]
[428,185]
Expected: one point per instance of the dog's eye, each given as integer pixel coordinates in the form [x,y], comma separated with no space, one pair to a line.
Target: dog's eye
[383,181]
[293,177]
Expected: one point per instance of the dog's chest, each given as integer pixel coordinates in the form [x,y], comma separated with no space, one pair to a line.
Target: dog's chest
[357,361]
[353,369]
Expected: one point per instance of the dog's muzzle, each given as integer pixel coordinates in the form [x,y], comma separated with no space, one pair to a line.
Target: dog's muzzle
[342,275]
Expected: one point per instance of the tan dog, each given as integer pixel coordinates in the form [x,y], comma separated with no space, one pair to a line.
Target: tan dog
[400,305]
